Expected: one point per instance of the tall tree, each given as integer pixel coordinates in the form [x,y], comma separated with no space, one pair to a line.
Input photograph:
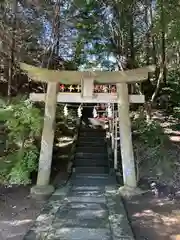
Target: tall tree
[13,45]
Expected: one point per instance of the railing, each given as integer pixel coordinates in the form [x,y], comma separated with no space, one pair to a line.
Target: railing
[74,145]
[114,138]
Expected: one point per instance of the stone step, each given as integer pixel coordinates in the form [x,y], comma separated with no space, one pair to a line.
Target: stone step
[91,140]
[92,137]
[91,144]
[94,150]
[92,159]
[90,164]
[83,162]
[89,149]
[91,155]
[84,181]
[81,218]
[86,188]
[92,134]
[88,129]
[90,169]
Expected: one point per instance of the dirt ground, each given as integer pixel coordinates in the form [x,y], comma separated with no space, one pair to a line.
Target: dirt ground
[155,218]
[17,212]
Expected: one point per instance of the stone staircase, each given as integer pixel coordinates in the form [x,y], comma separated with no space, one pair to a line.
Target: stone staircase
[89,206]
[91,152]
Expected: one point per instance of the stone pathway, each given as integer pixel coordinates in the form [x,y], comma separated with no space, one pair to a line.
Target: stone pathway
[88,208]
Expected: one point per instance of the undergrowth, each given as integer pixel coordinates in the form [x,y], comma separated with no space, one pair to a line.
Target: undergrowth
[153,158]
[22,124]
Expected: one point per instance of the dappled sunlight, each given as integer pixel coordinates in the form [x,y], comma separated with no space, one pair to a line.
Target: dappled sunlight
[64,141]
[144,213]
[116,218]
[43,217]
[93,214]
[14,229]
[64,144]
[175,139]
[169,221]
[157,218]
[170,126]
[16,222]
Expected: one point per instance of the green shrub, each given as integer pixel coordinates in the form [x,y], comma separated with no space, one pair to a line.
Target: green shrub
[176,112]
[151,151]
[23,125]
[169,95]
[20,172]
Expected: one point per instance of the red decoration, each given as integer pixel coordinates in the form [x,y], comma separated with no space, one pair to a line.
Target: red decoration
[102,106]
[113,89]
[101,88]
[96,88]
[105,88]
[62,87]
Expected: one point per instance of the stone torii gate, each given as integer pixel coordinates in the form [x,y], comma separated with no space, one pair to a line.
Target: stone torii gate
[86,80]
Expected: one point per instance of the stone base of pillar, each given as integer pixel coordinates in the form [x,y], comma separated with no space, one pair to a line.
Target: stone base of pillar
[129,192]
[42,192]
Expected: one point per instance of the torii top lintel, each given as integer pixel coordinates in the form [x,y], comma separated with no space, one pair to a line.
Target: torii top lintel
[75,77]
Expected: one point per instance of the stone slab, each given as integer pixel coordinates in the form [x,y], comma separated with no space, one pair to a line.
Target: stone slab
[120,226]
[87,199]
[97,218]
[90,182]
[87,193]
[80,234]
[43,223]
[42,192]
[93,206]
[87,188]
[92,176]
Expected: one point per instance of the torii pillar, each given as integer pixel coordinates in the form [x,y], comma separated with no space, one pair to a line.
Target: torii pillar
[42,189]
[128,163]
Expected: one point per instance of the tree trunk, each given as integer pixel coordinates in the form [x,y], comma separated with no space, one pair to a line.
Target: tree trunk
[131,41]
[152,36]
[11,62]
[132,49]
[147,7]
[57,27]
[163,41]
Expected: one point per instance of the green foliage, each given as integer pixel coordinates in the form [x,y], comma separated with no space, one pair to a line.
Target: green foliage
[23,125]
[172,90]
[20,173]
[25,121]
[176,112]
[150,146]
[5,113]
[150,133]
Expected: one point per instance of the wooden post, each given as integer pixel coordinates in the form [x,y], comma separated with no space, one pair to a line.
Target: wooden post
[110,130]
[128,164]
[47,141]
[115,143]
[112,133]
[87,86]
